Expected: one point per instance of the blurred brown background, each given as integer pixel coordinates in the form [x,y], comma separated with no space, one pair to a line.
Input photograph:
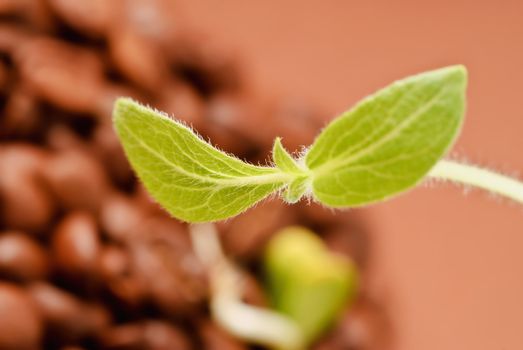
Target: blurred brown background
[449,264]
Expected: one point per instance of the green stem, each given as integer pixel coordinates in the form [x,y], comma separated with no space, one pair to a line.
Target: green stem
[254,324]
[479,177]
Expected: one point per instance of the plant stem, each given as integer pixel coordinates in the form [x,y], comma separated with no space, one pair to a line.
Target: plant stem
[255,324]
[479,177]
[251,323]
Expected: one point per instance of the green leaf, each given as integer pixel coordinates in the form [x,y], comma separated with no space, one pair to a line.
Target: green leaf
[296,189]
[307,282]
[383,146]
[284,160]
[192,180]
[388,142]
[286,163]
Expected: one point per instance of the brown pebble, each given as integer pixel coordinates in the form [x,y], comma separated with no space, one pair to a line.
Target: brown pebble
[120,277]
[223,117]
[20,115]
[4,77]
[22,158]
[365,326]
[253,291]
[123,337]
[157,20]
[107,94]
[8,7]
[76,244]
[215,338]
[120,216]
[317,214]
[240,114]
[226,140]
[11,37]
[92,17]
[181,101]
[26,206]
[175,279]
[67,316]
[362,326]
[350,240]
[206,65]
[32,12]
[146,201]
[20,322]
[76,180]
[53,70]
[162,335]
[150,334]
[114,261]
[244,236]
[296,123]
[22,258]
[35,13]
[137,58]
[61,138]
[108,149]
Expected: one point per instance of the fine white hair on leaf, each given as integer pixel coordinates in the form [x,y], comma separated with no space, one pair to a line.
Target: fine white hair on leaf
[191,128]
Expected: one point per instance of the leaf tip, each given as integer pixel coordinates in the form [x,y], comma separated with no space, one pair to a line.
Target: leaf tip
[121,104]
[458,73]
[277,146]
[284,160]
[461,69]
[121,110]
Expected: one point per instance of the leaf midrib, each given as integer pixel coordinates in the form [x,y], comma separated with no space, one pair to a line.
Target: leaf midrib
[276,177]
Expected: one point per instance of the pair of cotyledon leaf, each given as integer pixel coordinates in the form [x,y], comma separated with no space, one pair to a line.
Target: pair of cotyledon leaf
[383,146]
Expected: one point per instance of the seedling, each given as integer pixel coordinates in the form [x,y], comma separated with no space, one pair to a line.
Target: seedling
[382,147]
[387,144]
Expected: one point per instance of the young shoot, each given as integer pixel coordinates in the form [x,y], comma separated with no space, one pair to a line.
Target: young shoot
[387,144]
